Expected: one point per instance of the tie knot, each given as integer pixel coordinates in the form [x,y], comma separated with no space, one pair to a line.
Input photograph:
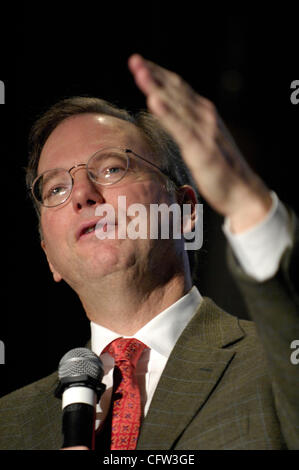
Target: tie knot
[126,349]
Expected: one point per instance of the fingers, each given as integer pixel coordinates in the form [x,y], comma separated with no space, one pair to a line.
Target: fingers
[168,95]
[186,115]
[143,76]
[151,78]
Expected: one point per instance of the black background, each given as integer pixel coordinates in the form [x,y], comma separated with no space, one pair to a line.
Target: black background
[244,62]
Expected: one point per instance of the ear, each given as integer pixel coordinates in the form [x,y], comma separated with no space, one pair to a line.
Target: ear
[186,196]
[56,276]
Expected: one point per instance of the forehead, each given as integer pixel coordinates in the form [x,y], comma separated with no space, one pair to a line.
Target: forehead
[76,138]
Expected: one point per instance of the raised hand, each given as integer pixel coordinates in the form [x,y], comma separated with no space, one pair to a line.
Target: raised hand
[222,175]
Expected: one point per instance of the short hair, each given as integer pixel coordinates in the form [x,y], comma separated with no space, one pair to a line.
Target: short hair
[157,137]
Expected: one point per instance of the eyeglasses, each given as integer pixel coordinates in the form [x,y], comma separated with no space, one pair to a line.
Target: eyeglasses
[106,167]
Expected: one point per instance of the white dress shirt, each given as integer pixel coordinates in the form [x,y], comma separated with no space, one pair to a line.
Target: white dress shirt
[159,335]
[258,251]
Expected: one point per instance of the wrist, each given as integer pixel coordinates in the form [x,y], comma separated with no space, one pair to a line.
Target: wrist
[255,208]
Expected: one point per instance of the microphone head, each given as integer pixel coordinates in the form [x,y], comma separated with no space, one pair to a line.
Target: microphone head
[80,361]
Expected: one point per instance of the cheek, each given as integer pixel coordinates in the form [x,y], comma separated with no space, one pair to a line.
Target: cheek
[53,229]
[146,193]
[124,200]
[139,221]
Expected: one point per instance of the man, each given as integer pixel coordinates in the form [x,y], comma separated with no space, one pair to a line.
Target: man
[207,380]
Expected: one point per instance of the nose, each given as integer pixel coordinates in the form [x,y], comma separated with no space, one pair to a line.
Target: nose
[85,193]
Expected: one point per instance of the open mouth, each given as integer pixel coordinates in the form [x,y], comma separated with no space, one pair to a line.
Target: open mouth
[99,225]
[88,230]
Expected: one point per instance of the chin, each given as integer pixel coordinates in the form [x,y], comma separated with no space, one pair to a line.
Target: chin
[105,259]
[108,259]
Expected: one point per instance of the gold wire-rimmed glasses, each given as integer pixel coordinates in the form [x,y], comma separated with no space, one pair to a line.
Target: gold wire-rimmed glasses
[105,167]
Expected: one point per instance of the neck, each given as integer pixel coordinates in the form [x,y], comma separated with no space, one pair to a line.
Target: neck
[125,307]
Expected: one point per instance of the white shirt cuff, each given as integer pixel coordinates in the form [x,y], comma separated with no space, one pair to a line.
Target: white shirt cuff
[259,249]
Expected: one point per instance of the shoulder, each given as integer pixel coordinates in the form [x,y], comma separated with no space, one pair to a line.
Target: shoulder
[220,329]
[27,395]
[30,415]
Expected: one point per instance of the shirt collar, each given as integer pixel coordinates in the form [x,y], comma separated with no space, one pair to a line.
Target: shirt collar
[161,333]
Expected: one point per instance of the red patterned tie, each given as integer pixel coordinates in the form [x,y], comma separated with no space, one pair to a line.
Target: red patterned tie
[126,413]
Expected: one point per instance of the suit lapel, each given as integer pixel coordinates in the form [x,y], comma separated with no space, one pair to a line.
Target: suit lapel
[194,368]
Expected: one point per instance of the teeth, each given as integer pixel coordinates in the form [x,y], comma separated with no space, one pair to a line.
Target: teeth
[89,229]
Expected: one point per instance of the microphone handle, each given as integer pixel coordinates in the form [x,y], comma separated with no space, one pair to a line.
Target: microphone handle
[78,423]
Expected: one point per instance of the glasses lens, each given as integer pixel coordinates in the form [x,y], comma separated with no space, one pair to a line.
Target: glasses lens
[53,187]
[108,166]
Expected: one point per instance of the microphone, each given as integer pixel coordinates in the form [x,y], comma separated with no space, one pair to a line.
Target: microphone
[80,374]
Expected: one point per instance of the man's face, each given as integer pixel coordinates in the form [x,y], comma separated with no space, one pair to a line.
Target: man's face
[76,258]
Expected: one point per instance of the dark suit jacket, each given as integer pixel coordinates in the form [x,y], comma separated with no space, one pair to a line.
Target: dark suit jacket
[228,384]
